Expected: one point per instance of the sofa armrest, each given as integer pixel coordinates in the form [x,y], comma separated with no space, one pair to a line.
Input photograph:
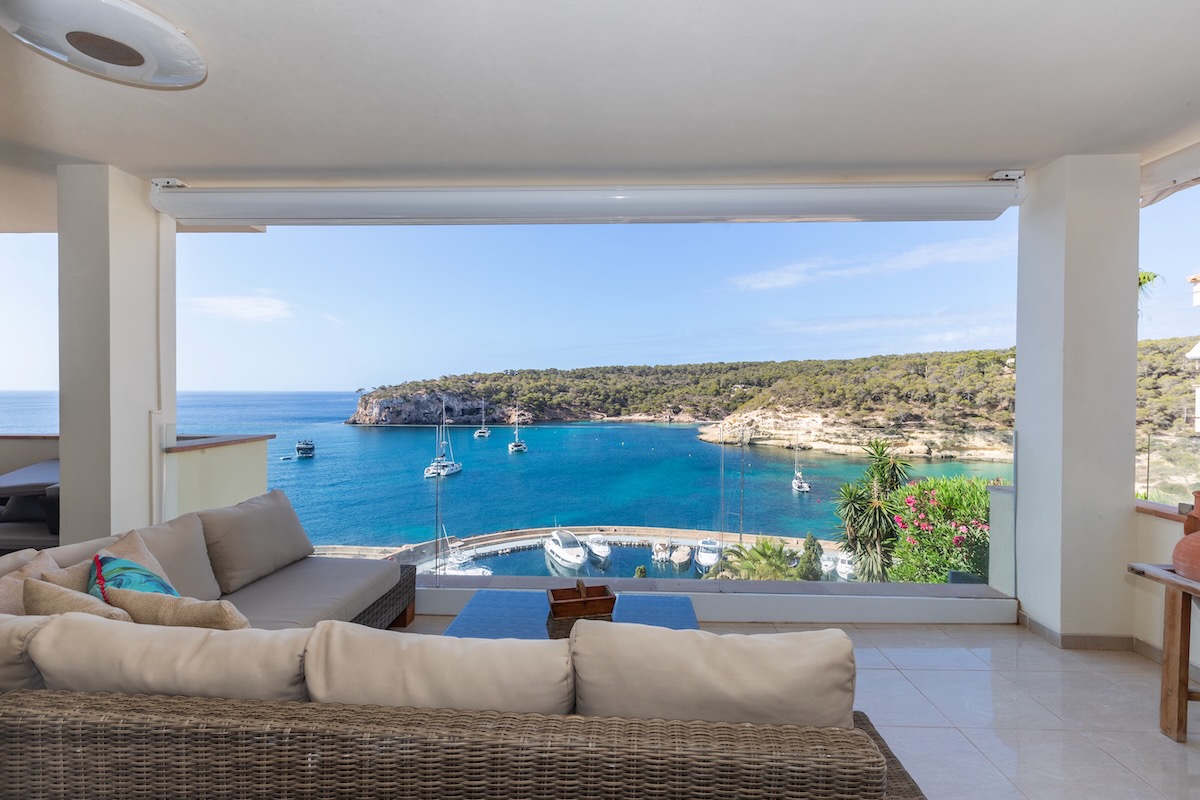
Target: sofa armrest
[64,744]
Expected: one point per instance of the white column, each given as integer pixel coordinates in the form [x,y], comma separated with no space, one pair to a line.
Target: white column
[116,350]
[1076,372]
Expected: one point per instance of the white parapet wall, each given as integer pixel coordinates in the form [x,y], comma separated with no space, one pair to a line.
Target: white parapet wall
[214,471]
[21,451]
[1156,537]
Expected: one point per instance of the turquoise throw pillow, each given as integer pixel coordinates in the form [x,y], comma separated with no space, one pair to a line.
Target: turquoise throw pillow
[110,572]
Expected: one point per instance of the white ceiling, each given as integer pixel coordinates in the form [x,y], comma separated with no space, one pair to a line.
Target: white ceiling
[604,92]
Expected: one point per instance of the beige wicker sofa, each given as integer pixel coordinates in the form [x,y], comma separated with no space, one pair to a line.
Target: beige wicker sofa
[100,708]
[255,555]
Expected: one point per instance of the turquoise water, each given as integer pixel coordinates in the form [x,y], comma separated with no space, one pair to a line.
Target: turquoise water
[365,485]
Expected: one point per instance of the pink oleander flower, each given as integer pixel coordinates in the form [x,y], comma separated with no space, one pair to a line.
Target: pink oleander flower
[984,528]
[903,525]
[962,528]
[926,526]
[920,516]
[898,518]
[958,540]
[912,501]
[910,540]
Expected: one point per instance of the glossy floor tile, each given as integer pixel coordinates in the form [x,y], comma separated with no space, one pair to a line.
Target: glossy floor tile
[993,711]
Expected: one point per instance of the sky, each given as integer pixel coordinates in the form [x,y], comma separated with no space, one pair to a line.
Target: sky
[338,309]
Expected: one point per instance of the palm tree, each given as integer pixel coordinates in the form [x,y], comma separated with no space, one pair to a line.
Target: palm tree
[767,560]
[868,514]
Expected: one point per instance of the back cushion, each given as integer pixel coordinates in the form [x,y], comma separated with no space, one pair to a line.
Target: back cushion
[84,653]
[16,667]
[253,539]
[180,548]
[67,555]
[642,671]
[14,561]
[349,663]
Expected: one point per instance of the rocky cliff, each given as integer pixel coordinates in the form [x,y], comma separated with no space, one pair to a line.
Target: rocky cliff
[426,409]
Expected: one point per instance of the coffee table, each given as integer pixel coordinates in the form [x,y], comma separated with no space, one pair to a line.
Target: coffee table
[525,614]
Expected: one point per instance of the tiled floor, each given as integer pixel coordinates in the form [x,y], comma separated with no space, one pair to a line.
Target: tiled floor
[992,711]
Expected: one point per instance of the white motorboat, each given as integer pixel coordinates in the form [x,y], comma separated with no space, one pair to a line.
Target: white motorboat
[563,548]
[598,548]
[484,431]
[305,448]
[828,562]
[798,482]
[516,445]
[708,553]
[845,567]
[443,463]
[660,551]
[681,557]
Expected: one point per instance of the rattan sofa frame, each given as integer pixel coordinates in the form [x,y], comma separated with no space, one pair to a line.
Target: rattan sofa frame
[73,744]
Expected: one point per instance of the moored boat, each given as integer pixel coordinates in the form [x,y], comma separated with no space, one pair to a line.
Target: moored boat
[845,567]
[443,463]
[798,482]
[516,445]
[563,548]
[828,562]
[681,557]
[483,431]
[305,448]
[660,551]
[456,561]
[708,553]
[598,548]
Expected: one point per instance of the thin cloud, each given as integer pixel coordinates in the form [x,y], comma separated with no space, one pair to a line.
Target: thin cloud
[968,322]
[243,307]
[961,251]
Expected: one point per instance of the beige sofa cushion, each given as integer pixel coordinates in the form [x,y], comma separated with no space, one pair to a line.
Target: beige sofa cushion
[68,554]
[14,561]
[313,589]
[79,652]
[252,539]
[180,548]
[16,667]
[46,598]
[629,670]
[349,663]
[152,608]
[129,546]
[12,585]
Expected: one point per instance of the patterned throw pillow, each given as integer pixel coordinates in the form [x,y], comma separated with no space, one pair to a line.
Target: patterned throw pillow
[121,573]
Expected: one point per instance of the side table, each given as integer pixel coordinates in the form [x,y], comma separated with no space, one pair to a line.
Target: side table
[1177,637]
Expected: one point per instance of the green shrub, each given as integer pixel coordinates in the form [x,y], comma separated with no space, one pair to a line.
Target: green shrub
[943,526]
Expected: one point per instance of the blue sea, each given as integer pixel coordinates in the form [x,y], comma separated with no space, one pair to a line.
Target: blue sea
[365,485]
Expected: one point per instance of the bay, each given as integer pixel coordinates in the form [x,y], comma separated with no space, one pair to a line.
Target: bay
[365,485]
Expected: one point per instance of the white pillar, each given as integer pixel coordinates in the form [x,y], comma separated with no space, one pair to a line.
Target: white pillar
[116,350]
[1076,372]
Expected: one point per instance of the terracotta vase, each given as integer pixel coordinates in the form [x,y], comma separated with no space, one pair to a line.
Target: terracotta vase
[1185,558]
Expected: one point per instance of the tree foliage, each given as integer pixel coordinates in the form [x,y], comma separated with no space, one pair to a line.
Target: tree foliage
[768,559]
[868,510]
[809,566]
[967,390]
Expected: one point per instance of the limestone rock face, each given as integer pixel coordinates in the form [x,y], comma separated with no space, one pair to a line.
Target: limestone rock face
[423,409]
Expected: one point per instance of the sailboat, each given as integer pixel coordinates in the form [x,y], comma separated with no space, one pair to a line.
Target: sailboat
[798,482]
[516,445]
[484,431]
[443,463]
[456,561]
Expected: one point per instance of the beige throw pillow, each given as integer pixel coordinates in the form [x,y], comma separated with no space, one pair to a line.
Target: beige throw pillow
[14,561]
[17,670]
[253,539]
[151,608]
[46,598]
[180,548]
[12,585]
[643,671]
[129,546]
[349,663]
[82,653]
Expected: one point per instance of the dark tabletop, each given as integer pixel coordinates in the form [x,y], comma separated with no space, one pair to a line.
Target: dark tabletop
[525,614]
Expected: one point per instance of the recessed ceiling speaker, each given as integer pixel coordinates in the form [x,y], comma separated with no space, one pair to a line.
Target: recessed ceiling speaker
[112,39]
